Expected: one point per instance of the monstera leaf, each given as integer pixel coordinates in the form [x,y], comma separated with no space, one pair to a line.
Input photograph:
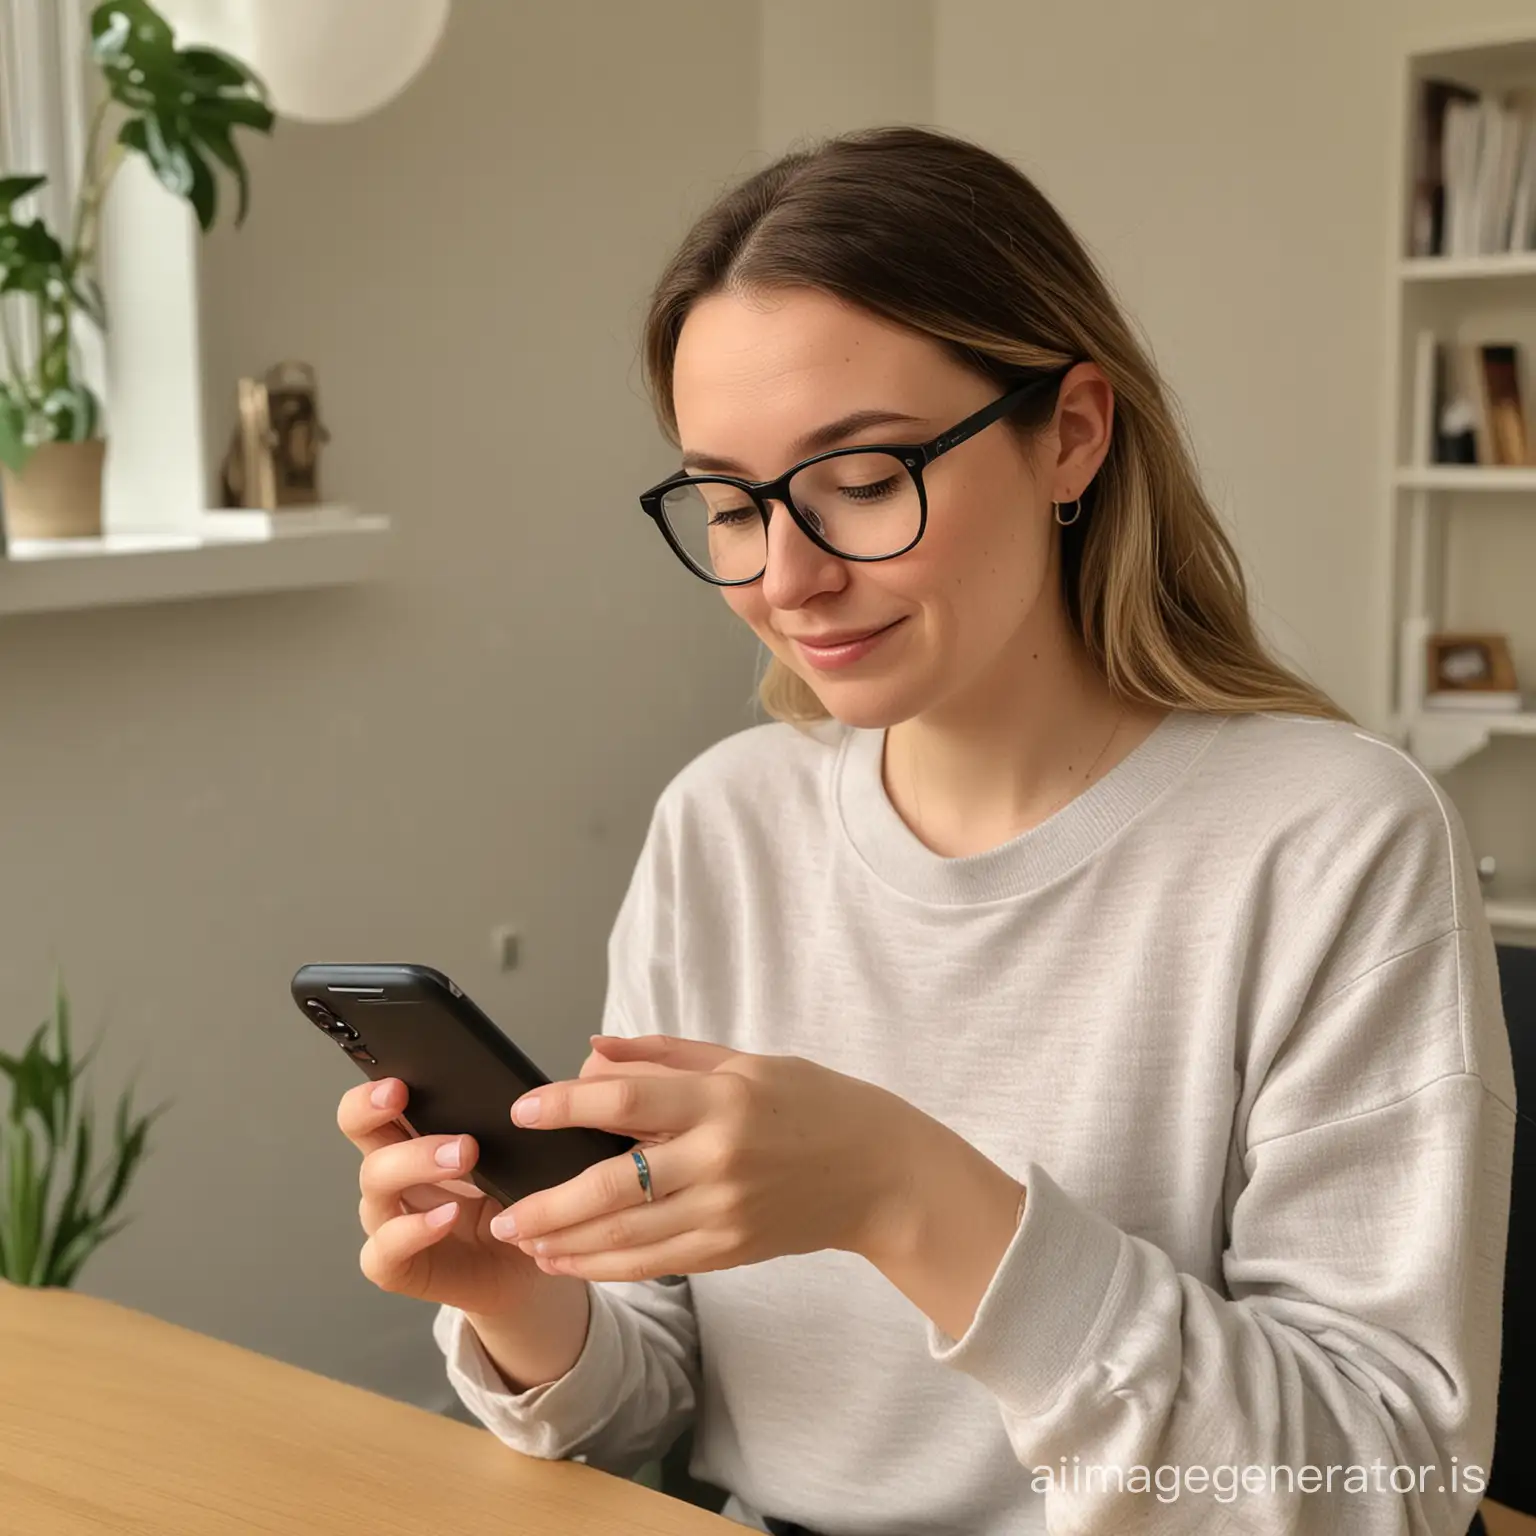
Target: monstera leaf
[184,104]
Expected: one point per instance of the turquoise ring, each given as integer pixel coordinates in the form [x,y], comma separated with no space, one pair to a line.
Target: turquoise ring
[643,1168]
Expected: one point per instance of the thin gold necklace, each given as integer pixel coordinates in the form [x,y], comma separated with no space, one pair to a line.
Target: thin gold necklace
[917,799]
[1114,731]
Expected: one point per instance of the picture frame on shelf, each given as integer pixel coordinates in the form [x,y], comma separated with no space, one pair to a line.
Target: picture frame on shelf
[298,434]
[1470,671]
[273,459]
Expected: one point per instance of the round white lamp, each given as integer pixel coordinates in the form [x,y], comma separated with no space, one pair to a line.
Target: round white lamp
[324,61]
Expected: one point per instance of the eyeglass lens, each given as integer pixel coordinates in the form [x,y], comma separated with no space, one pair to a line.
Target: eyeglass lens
[862,504]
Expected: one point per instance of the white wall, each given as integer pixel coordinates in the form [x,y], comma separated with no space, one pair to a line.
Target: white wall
[828,66]
[200,798]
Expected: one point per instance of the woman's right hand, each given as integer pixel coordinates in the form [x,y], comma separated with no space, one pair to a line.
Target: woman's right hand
[428,1226]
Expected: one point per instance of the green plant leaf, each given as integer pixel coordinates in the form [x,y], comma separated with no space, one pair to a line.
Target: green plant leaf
[132,1142]
[22,1200]
[30,258]
[61,1018]
[213,69]
[87,294]
[72,413]
[204,195]
[32,242]
[133,135]
[236,111]
[215,137]
[28,1088]
[125,31]
[184,103]
[47,1139]
[72,1219]
[14,188]
[63,1054]
[169,155]
[14,453]
[67,1266]
[90,414]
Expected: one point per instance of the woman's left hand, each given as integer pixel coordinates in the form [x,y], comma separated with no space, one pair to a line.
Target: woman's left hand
[750,1156]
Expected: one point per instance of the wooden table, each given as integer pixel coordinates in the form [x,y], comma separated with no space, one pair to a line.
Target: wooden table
[112,1421]
[1505,1522]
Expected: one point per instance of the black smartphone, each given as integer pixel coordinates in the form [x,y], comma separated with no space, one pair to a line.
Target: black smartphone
[412,1022]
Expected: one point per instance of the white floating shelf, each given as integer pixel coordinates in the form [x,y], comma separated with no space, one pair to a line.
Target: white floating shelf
[1511,913]
[1420,269]
[1440,739]
[242,551]
[1465,477]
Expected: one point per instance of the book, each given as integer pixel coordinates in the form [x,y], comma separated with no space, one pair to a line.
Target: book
[1522,217]
[1471,405]
[1461,157]
[1503,144]
[1424,444]
[1427,234]
[1487,175]
[1503,411]
[1454,437]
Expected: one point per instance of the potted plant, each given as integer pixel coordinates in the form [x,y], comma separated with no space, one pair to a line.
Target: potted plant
[55,1208]
[177,107]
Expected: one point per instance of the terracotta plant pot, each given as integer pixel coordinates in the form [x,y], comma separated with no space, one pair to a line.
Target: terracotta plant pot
[58,494]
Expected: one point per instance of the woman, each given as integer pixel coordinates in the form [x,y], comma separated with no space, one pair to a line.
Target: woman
[1065,1051]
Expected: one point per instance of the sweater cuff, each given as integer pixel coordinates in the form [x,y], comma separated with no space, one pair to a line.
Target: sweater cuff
[1044,1307]
[548,1420]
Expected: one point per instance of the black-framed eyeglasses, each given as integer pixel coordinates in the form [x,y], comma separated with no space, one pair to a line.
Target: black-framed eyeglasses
[863,503]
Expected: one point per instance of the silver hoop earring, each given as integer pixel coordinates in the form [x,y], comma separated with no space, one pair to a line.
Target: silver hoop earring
[1077,512]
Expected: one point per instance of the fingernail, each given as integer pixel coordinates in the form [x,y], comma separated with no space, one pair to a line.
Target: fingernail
[441,1215]
[380,1095]
[504,1226]
[450,1154]
[526,1111]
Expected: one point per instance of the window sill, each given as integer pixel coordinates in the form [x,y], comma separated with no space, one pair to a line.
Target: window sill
[231,552]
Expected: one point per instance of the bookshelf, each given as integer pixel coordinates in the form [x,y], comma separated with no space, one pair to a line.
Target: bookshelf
[1462,537]
[1439,269]
[1467,477]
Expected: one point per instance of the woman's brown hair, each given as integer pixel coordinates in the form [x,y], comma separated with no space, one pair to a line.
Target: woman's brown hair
[938,234]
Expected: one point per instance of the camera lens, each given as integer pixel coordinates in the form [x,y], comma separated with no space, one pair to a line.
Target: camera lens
[328,1021]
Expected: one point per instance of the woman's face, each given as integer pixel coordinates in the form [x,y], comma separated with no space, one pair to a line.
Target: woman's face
[953,617]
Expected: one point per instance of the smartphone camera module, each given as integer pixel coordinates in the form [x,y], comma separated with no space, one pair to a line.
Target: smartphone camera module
[326,1020]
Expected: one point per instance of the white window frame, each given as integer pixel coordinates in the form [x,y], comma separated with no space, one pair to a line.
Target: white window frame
[149,371]
[160,541]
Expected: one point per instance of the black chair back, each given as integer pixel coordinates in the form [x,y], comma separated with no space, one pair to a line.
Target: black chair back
[1512,1479]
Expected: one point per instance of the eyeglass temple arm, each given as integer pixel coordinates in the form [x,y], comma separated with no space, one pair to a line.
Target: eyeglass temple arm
[988,414]
[929,451]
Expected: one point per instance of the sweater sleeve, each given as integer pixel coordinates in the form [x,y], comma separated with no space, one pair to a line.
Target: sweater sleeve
[1348,1379]
[633,1388]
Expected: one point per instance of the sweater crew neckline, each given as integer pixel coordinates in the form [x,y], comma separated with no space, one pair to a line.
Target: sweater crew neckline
[1034,858]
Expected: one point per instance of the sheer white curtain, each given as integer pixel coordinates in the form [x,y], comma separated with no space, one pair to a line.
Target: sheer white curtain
[44,106]
[147,371]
